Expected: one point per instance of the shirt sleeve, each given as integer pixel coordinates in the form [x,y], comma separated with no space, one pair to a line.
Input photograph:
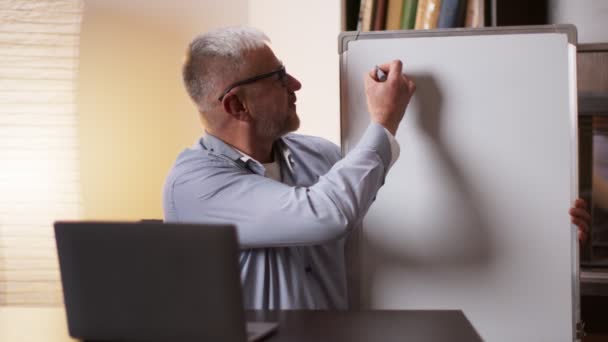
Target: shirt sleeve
[395,149]
[267,213]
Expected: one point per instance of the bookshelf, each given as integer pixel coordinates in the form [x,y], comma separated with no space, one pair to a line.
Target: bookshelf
[588,15]
[495,12]
[592,73]
[592,84]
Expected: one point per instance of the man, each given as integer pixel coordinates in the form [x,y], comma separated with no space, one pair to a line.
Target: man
[292,197]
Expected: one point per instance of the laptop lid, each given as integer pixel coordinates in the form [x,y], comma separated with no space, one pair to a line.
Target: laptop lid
[151,281]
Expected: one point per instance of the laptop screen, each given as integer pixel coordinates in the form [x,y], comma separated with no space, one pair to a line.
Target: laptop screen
[150,281]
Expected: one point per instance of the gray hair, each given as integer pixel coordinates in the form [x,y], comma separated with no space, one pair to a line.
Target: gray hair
[214,54]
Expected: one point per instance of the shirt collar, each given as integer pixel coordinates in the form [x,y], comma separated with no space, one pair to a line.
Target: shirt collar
[216,146]
[285,154]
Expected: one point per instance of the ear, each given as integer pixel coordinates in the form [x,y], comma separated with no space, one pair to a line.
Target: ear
[235,107]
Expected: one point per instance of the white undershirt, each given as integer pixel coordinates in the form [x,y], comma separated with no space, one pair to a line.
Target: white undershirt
[273,170]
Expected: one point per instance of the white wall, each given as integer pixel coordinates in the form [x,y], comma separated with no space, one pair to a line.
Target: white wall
[304,36]
[589,16]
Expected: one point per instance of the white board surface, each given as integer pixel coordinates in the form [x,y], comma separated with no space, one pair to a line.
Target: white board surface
[474,214]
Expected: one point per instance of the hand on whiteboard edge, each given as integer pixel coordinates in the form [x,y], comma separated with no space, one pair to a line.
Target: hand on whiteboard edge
[388,100]
[579,215]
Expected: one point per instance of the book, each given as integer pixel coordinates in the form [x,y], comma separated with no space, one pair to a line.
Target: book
[380,15]
[393,14]
[427,15]
[408,17]
[360,16]
[475,13]
[352,8]
[367,15]
[451,14]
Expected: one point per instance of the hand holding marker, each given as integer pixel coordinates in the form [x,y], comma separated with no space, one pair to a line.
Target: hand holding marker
[380,75]
[388,94]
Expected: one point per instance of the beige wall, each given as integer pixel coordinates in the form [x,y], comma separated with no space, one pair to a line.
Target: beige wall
[134,116]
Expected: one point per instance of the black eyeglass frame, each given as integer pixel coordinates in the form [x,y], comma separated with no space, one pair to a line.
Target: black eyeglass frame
[280,71]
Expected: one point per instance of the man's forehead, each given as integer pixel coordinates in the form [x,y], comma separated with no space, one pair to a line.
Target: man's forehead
[261,60]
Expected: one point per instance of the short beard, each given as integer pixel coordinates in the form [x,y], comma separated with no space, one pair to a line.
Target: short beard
[273,130]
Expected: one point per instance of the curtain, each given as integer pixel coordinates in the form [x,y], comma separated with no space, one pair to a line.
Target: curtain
[39,163]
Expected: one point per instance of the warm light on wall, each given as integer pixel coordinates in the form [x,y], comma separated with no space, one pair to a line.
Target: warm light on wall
[39,172]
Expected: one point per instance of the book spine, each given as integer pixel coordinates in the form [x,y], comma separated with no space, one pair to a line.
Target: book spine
[393,14]
[408,18]
[451,14]
[427,15]
[360,16]
[474,14]
[368,14]
[380,15]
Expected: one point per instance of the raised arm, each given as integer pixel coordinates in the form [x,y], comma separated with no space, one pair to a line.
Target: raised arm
[269,213]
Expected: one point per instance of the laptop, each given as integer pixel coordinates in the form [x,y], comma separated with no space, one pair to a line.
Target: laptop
[152,281]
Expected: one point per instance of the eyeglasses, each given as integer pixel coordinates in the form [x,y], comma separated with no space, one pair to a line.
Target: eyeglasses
[280,72]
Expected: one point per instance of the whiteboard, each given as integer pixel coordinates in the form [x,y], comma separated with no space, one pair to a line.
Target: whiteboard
[474,214]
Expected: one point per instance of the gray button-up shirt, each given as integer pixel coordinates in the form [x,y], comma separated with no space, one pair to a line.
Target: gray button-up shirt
[292,232]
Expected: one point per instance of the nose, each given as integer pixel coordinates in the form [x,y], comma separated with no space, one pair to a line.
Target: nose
[292,83]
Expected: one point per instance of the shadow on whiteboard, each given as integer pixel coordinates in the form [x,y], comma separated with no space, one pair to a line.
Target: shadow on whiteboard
[432,217]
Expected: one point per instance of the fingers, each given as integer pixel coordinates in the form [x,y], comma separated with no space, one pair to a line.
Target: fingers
[396,69]
[393,70]
[580,213]
[580,203]
[581,219]
[581,224]
[411,86]
[582,237]
[583,229]
[580,216]
[372,74]
[387,101]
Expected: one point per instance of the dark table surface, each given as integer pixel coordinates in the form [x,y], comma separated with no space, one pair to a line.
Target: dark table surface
[49,324]
[373,325]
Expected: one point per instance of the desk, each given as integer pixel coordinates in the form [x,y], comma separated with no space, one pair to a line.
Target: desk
[48,324]
[363,326]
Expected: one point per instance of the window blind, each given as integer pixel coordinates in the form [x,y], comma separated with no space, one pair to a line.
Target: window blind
[39,165]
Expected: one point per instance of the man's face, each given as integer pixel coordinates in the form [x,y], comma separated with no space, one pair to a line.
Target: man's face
[270,101]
